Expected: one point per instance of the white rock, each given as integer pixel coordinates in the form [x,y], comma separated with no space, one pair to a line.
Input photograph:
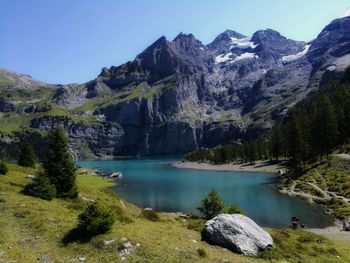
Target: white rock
[108,242]
[237,233]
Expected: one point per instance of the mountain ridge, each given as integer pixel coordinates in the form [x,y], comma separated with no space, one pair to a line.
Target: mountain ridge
[178,95]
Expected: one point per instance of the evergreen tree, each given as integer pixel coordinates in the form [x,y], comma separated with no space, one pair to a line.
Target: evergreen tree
[96,219]
[3,168]
[324,127]
[41,187]
[276,143]
[212,205]
[59,166]
[233,209]
[27,156]
[294,140]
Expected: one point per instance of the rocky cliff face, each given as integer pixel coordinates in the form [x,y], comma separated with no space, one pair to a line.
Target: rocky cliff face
[179,95]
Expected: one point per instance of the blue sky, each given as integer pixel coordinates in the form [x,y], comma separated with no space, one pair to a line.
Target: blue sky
[71,40]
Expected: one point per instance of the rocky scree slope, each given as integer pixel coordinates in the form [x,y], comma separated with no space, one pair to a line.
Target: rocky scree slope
[179,95]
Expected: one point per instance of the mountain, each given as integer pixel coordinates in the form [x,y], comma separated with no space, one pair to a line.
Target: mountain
[179,95]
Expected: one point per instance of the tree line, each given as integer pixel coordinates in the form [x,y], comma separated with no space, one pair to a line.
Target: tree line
[312,130]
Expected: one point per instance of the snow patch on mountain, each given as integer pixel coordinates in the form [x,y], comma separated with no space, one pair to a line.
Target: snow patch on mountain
[223,58]
[294,57]
[347,13]
[246,55]
[229,57]
[242,43]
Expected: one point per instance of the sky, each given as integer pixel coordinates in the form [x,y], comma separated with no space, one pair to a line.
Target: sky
[70,41]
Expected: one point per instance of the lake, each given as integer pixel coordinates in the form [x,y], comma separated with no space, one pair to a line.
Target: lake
[154,183]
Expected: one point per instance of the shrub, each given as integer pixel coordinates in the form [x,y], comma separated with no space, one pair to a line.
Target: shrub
[196,224]
[201,252]
[27,156]
[96,219]
[233,209]
[3,168]
[212,205]
[41,187]
[150,215]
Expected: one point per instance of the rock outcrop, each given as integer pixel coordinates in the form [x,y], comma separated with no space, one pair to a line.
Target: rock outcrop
[237,233]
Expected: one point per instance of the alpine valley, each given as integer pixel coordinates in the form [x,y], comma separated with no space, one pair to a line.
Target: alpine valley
[176,96]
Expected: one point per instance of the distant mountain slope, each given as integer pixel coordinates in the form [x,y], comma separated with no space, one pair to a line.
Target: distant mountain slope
[179,95]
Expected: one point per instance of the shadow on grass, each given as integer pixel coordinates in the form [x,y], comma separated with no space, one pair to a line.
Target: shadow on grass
[76,235]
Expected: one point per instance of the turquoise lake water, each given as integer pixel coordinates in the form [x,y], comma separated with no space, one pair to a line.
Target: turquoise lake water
[154,183]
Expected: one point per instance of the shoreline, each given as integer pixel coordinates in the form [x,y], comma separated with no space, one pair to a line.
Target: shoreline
[333,232]
[259,166]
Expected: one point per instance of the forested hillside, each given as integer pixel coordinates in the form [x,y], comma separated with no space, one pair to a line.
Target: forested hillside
[313,129]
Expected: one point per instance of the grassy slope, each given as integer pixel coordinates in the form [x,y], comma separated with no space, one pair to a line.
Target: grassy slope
[332,176]
[34,228]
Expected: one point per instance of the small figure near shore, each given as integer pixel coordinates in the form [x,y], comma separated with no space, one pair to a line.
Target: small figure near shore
[296,223]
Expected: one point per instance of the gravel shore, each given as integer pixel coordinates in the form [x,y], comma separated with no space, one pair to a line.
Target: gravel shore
[260,166]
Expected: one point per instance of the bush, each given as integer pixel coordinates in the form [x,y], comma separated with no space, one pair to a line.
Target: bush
[27,156]
[196,224]
[201,252]
[233,209]
[3,168]
[96,219]
[150,215]
[41,187]
[212,205]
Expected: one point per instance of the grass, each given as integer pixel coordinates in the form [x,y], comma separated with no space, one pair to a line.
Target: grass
[32,231]
[333,176]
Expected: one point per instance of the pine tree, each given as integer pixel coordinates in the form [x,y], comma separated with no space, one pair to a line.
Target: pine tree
[59,166]
[96,219]
[276,143]
[325,127]
[41,187]
[212,205]
[294,141]
[27,156]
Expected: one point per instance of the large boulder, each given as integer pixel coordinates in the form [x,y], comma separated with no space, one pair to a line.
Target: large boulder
[237,233]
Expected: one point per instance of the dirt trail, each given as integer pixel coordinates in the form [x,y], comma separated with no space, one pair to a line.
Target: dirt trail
[333,232]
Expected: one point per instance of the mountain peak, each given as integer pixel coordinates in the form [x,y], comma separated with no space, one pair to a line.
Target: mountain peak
[347,13]
[182,36]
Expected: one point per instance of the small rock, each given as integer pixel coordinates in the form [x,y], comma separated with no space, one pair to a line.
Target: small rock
[126,248]
[184,216]
[194,241]
[30,176]
[123,239]
[82,259]
[86,199]
[108,242]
